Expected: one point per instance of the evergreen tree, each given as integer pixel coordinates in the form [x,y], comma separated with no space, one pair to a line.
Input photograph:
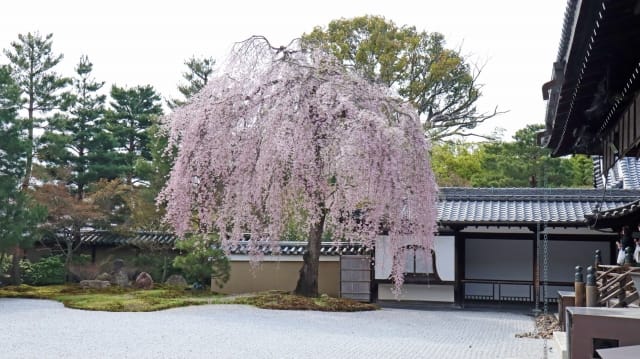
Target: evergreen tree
[32,62]
[133,112]
[197,76]
[18,216]
[79,142]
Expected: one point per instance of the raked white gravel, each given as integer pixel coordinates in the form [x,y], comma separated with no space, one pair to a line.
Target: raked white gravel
[45,329]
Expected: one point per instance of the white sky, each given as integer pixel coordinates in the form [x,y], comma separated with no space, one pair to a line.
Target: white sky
[138,42]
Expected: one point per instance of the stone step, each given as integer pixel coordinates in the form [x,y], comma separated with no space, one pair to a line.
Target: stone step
[560,345]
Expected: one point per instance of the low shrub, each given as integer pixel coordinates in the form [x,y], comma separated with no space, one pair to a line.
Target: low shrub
[49,270]
[201,262]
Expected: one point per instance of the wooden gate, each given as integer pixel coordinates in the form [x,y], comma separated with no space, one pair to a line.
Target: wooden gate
[355,277]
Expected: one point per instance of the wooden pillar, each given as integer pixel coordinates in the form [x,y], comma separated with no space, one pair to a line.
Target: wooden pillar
[579,288]
[536,265]
[459,263]
[591,290]
[93,254]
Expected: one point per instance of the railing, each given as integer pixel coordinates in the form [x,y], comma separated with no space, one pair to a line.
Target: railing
[498,290]
[615,286]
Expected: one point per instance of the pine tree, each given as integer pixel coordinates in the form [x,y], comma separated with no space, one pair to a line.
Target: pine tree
[78,141]
[18,215]
[198,75]
[133,112]
[32,62]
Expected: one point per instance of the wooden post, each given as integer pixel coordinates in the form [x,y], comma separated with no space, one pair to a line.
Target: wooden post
[536,266]
[578,285]
[591,290]
[459,260]
[597,259]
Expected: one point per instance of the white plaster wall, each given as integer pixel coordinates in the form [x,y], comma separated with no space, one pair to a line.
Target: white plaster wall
[418,292]
[445,257]
[499,259]
[443,247]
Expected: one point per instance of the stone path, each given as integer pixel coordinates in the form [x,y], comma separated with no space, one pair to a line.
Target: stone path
[45,329]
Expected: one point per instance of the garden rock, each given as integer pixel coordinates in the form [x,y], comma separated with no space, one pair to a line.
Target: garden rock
[176,280]
[118,264]
[94,284]
[104,276]
[144,281]
[120,278]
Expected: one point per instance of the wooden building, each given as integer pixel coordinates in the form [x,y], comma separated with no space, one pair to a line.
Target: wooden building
[593,97]
[491,244]
[489,248]
[594,108]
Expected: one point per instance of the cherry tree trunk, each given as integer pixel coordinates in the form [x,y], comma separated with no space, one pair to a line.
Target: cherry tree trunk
[308,281]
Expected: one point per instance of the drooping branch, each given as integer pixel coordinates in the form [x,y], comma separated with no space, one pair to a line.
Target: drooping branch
[280,134]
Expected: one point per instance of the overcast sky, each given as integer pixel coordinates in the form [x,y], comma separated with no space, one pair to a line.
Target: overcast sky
[138,42]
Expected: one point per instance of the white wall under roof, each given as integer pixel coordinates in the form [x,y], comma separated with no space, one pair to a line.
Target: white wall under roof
[444,249]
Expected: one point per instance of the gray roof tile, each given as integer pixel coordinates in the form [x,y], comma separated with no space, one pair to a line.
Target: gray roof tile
[522,206]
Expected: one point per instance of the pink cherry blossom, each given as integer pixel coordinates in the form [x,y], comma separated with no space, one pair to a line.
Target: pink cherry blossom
[287,128]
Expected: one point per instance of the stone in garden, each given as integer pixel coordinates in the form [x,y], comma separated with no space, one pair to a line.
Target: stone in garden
[94,284]
[104,276]
[176,280]
[144,281]
[120,279]
[117,265]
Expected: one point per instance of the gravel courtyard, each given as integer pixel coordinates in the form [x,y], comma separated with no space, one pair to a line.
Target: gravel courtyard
[45,329]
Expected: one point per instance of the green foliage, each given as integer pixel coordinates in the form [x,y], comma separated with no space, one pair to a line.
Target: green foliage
[19,215]
[13,147]
[197,76]
[455,163]
[133,112]
[437,80]
[156,263]
[519,163]
[49,270]
[81,259]
[5,263]
[79,141]
[201,262]
[32,61]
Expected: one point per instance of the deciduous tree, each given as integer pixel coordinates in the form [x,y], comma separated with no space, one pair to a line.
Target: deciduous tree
[439,81]
[285,126]
[66,217]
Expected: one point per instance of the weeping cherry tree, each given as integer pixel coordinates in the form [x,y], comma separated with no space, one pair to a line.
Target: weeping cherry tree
[289,128]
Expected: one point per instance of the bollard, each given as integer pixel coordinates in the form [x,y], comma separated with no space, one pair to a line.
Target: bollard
[578,285]
[591,290]
[598,258]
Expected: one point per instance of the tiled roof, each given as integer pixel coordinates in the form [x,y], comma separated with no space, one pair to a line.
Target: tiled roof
[523,206]
[625,173]
[623,215]
[456,206]
[298,248]
[241,247]
[136,239]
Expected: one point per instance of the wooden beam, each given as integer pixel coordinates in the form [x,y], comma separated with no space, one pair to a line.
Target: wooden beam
[459,265]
